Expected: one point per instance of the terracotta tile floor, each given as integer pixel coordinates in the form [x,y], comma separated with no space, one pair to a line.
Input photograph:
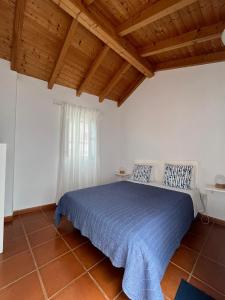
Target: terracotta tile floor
[43,262]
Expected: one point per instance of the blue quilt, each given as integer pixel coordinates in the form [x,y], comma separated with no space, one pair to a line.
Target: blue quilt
[137,226]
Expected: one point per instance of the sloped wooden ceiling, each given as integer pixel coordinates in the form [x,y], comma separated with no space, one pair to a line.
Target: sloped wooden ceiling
[108,47]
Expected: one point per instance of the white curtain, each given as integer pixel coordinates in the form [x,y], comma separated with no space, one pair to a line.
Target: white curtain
[79,149]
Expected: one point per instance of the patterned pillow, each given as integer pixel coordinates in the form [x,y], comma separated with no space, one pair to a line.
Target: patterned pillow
[178,176]
[142,173]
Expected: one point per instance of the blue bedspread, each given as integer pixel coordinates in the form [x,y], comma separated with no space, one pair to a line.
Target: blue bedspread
[137,226]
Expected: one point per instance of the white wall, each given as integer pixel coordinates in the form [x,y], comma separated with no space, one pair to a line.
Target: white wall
[7,126]
[178,115]
[37,136]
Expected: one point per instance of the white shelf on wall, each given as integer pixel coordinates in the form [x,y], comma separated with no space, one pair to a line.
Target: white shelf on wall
[122,175]
[212,188]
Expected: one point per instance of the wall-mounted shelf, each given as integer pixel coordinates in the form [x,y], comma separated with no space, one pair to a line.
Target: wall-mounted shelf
[212,188]
[122,175]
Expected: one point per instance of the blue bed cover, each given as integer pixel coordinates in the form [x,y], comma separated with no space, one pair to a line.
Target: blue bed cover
[137,226]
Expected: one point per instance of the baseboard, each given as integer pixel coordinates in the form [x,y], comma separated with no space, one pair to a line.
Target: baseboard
[214,220]
[8,219]
[28,210]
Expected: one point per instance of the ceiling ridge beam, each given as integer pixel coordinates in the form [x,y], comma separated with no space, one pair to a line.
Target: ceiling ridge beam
[200,35]
[93,68]
[107,35]
[192,61]
[116,78]
[17,32]
[131,89]
[152,13]
[63,52]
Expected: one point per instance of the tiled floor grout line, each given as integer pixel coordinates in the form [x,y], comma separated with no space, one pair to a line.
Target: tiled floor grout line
[36,266]
[99,287]
[68,284]
[14,255]
[12,282]
[40,229]
[179,267]
[117,296]
[200,252]
[82,264]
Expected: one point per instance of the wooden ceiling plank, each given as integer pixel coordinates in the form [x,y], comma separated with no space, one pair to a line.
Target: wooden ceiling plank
[88,2]
[105,34]
[131,89]
[17,32]
[97,62]
[190,38]
[116,78]
[192,61]
[63,52]
[152,13]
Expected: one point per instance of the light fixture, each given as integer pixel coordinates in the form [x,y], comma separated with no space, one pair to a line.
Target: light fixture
[223,37]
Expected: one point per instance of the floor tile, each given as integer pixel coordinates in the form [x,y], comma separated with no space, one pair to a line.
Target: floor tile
[89,255]
[60,272]
[42,236]
[48,251]
[13,229]
[26,288]
[35,224]
[108,277]
[15,267]
[49,213]
[14,246]
[75,239]
[211,273]
[65,227]
[215,245]
[171,280]
[193,242]
[122,296]
[81,289]
[185,258]
[200,285]
[198,228]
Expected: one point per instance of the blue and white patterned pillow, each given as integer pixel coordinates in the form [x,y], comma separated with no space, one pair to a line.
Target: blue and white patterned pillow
[178,176]
[142,173]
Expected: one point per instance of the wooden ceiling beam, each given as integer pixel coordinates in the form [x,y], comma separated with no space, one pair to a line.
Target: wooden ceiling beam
[192,61]
[105,34]
[152,13]
[131,89]
[200,35]
[97,62]
[63,52]
[17,32]
[116,78]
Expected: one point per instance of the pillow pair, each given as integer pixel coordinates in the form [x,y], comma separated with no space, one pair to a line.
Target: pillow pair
[177,176]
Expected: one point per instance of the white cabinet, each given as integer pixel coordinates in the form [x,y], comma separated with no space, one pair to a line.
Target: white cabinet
[2,191]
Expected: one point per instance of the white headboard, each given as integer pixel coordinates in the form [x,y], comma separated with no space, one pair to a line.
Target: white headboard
[158,169]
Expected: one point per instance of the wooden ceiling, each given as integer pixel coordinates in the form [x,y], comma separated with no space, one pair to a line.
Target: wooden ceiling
[108,47]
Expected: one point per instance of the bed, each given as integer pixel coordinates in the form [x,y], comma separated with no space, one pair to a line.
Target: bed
[138,226]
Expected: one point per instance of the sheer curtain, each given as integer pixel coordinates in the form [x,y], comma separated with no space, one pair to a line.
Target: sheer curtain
[79,149]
